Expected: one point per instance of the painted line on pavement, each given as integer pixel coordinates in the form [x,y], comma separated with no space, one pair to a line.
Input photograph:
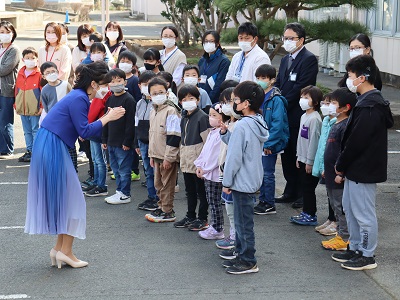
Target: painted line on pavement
[16,296]
[14,182]
[12,227]
[393,152]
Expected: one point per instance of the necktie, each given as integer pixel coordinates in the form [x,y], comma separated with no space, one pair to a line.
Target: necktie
[290,61]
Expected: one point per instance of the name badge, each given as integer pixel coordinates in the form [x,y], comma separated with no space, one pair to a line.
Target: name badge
[304,132]
[293,77]
[203,78]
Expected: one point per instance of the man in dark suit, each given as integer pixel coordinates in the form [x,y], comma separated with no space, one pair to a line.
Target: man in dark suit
[297,70]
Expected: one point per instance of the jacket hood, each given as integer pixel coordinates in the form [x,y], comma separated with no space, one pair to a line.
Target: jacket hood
[166,103]
[375,99]
[276,92]
[258,125]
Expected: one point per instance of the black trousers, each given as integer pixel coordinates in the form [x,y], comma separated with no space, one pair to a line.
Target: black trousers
[195,190]
[308,183]
[86,148]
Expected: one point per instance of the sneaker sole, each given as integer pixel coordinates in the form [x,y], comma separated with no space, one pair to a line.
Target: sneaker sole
[303,224]
[211,238]
[153,220]
[265,213]
[367,267]
[252,270]
[326,247]
[181,226]
[147,209]
[328,234]
[97,195]
[224,247]
[227,257]
[119,202]
[199,229]
[339,259]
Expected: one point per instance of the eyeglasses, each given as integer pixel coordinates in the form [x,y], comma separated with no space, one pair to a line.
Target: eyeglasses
[157,94]
[289,38]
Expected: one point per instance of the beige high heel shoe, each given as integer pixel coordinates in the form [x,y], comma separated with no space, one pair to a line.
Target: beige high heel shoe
[53,254]
[61,257]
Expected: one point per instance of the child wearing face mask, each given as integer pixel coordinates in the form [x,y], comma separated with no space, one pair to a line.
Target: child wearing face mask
[172,89]
[152,60]
[97,52]
[307,144]
[208,170]
[141,142]
[191,75]
[27,99]
[194,131]
[342,102]
[118,136]
[329,114]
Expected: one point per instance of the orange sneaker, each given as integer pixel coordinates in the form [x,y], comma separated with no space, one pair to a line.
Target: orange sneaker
[337,243]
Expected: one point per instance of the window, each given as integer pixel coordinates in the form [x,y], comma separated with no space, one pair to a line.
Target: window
[385,15]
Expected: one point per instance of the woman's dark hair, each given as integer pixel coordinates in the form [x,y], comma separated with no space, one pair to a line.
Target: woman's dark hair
[83,29]
[46,65]
[228,84]
[128,55]
[64,26]
[298,28]
[190,67]
[153,54]
[344,97]
[170,79]
[315,94]
[173,28]
[266,71]
[248,28]
[363,65]
[252,92]
[188,89]
[10,27]
[225,94]
[114,25]
[146,76]
[95,71]
[57,30]
[157,81]
[97,47]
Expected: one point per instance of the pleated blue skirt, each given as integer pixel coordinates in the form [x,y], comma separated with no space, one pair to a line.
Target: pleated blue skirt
[55,203]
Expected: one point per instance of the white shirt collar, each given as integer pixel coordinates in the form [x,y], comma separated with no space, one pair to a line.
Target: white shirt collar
[294,54]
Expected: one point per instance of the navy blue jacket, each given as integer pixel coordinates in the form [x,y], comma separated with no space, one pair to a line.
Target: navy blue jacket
[306,67]
[274,113]
[215,66]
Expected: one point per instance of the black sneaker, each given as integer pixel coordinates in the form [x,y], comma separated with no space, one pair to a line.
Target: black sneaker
[359,263]
[264,208]
[149,204]
[88,182]
[97,191]
[345,256]
[163,217]
[143,184]
[87,188]
[198,225]
[229,263]
[26,157]
[228,254]
[242,267]
[184,223]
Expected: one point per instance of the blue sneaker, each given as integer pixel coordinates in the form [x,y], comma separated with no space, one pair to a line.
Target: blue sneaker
[306,219]
[298,217]
[225,244]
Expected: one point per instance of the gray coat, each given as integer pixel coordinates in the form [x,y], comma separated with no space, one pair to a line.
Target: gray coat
[8,70]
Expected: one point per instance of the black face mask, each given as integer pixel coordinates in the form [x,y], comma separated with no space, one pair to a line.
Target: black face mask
[239,112]
[149,67]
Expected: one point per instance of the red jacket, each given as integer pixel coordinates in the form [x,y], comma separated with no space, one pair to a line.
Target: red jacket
[27,93]
[97,108]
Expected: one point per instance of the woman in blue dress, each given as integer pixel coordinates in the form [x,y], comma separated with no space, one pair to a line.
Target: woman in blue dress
[55,202]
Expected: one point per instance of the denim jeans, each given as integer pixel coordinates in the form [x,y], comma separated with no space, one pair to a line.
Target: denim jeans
[149,171]
[121,163]
[6,124]
[267,190]
[243,206]
[99,165]
[30,124]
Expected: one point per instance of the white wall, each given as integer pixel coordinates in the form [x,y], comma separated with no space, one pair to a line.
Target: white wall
[150,8]
[2,5]
[386,54]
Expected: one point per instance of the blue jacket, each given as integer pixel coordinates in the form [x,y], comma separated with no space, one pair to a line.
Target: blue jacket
[318,166]
[275,115]
[215,66]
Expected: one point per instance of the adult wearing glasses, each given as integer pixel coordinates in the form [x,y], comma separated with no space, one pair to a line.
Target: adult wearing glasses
[298,69]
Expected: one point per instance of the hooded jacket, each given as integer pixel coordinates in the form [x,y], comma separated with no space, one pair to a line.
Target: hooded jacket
[363,156]
[27,93]
[243,171]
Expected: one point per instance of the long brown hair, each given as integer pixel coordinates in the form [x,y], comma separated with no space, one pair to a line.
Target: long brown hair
[58,32]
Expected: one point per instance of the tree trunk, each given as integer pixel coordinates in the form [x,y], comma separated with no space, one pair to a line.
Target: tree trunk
[276,50]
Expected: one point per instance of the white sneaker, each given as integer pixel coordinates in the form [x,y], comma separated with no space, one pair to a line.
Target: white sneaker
[326,224]
[122,199]
[116,196]
[81,157]
[331,229]
[211,234]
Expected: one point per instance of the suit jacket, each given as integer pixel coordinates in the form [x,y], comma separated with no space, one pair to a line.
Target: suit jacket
[306,67]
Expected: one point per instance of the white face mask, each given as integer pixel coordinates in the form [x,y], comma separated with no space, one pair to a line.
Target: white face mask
[191,80]
[145,90]
[304,104]
[209,47]
[350,85]
[51,37]
[5,38]
[325,109]
[112,35]
[159,99]
[290,46]
[52,77]
[100,94]
[189,105]
[168,42]
[227,109]
[64,39]
[96,56]
[332,110]
[245,46]
[30,63]
[126,67]
[356,52]
[86,41]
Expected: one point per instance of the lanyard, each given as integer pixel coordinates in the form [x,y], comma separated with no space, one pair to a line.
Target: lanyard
[5,50]
[51,57]
[165,61]
[239,69]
